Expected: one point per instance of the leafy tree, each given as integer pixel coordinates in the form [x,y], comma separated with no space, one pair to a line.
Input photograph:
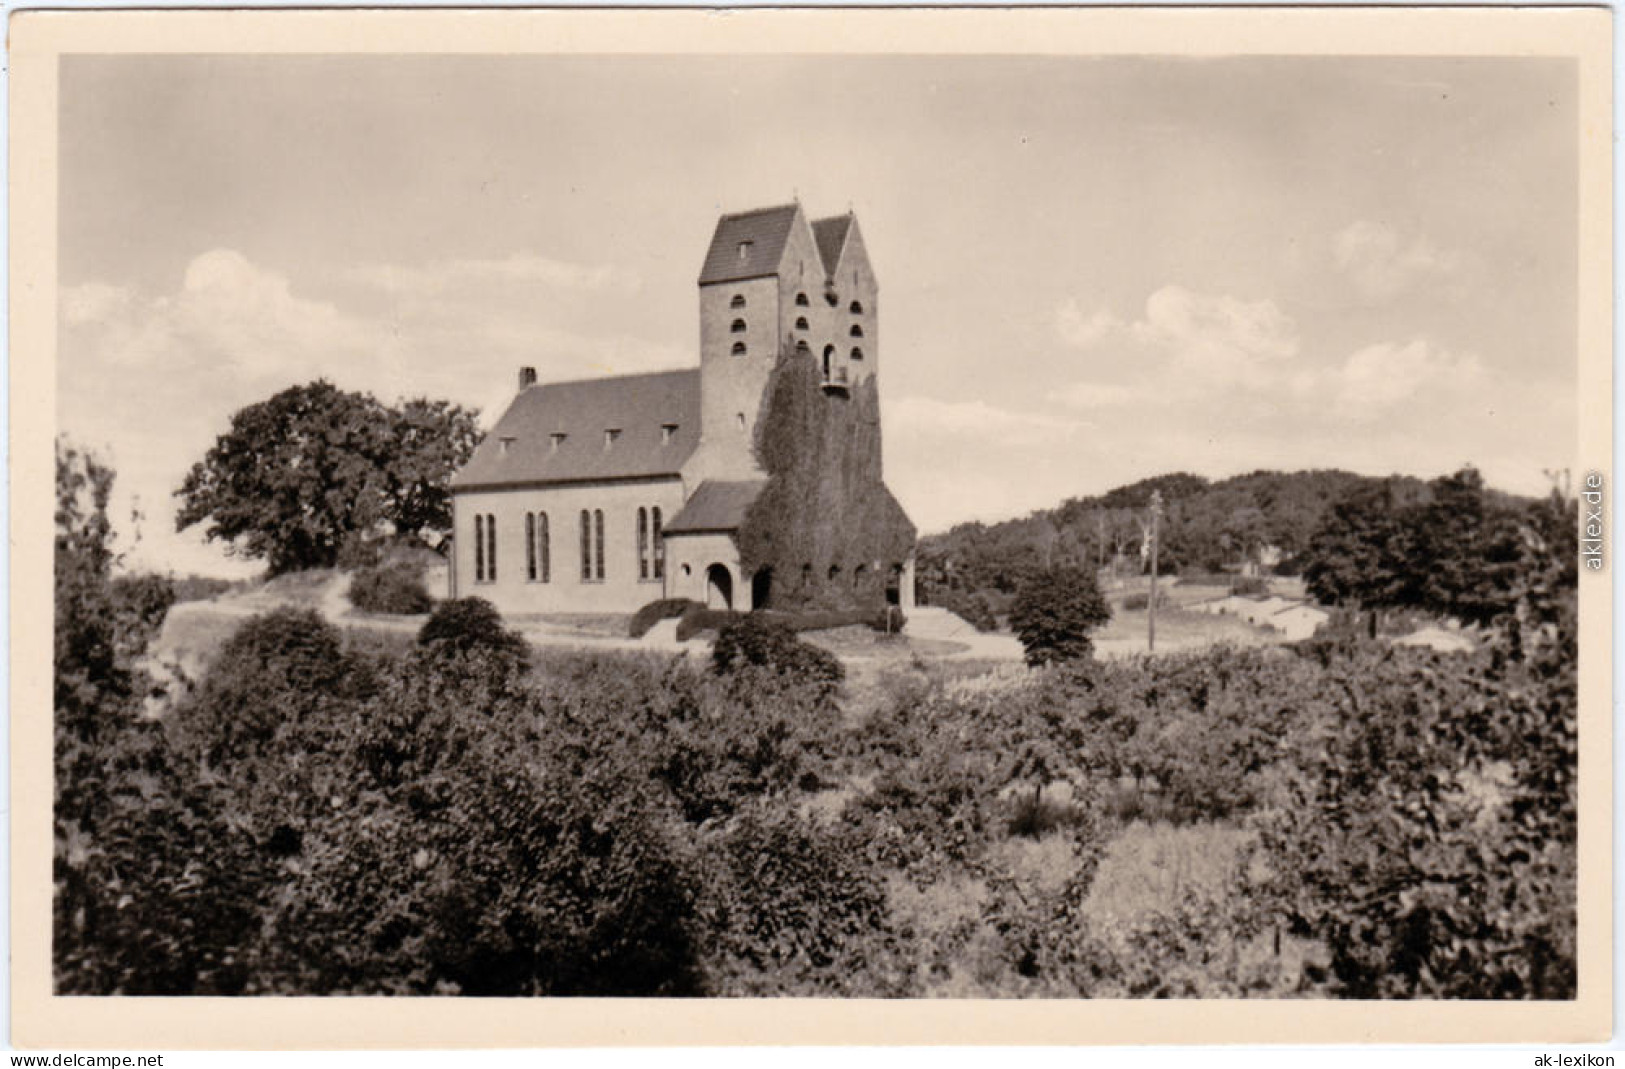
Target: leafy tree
[1055,612]
[300,473]
[1362,555]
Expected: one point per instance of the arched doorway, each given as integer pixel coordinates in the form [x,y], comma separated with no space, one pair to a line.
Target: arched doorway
[894,585]
[719,587]
[761,588]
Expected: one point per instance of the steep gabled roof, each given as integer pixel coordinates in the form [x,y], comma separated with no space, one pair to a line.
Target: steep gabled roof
[637,406]
[716,506]
[831,237]
[761,232]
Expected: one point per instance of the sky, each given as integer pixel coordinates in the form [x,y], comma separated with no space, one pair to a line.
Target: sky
[1091,270]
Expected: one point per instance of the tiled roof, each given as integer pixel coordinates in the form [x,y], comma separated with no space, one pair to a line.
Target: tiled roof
[831,237]
[520,450]
[762,233]
[715,506]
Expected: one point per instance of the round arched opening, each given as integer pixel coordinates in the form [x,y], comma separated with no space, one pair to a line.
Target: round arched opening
[719,587]
[761,589]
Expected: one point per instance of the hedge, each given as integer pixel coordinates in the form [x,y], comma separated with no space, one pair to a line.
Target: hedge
[656,611]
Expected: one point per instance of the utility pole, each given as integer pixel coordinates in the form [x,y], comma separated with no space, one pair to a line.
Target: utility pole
[1151,603]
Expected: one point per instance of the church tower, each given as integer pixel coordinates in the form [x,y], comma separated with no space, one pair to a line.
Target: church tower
[774,281]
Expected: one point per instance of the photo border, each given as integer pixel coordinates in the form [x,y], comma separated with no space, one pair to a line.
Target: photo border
[37,41]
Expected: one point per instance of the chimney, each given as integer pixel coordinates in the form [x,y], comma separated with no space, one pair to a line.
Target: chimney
[527,377]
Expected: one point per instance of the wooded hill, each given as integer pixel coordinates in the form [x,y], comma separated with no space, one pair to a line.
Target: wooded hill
[1208,527]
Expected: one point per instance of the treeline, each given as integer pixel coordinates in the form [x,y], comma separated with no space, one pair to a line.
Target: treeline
[1301,523]
[1206,527]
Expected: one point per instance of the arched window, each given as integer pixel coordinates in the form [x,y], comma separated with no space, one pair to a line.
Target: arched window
[859,574]
[598,543]
[490,547]
[738,326]
[829,361]
[857,354]
[801,300]
[479,548]
[856,331]
[806,576]
[738,301]
[643,543]
[530,546]
[801,322]
[856,308]
[544,548]
[802,350]
[586,546]
[834,573]
[659,544]
[739,348]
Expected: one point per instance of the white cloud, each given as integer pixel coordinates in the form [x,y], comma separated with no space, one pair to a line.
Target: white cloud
[1081,331]
[1381,265]
[1092,395]
[515,271]
[1375,379]
[151,380]
[977,422]
[1209,333]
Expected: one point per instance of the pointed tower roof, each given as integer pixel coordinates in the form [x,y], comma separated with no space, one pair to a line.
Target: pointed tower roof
[831,237]
[748,244]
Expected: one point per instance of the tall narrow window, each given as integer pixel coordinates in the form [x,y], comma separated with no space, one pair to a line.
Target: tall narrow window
[530,546]
[598,543]
[643,543]
[659,545]
[479,548]
[586,546]
[490,547]
[544,548]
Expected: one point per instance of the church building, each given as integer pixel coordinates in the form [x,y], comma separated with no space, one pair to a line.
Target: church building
[601,495]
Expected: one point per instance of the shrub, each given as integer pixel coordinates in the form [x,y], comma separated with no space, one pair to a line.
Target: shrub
[697,618]
[1054,613]
[888,620]
[791,908]
[974,607]
[762,642]
[1142,602]
[656,611]
[467,625]
[275,670]
[394,588]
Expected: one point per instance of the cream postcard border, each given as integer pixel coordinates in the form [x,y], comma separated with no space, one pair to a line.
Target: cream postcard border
[38,39]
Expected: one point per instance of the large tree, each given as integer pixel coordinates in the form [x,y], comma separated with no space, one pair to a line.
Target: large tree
[314,465]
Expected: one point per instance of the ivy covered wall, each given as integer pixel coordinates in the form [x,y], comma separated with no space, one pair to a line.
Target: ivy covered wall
[825,524]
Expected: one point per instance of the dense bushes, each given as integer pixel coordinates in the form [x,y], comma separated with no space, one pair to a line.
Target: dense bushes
[349,813]
[394,588]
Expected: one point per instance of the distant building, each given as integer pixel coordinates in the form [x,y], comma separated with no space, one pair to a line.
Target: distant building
[605,494]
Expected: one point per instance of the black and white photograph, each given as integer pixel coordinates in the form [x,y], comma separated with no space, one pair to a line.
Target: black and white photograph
[822,524]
